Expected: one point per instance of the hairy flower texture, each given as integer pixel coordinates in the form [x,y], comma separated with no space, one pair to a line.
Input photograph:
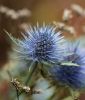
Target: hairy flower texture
[71,74]
[41,44]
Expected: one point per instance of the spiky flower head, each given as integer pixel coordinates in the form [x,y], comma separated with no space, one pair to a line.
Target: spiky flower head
[72,73]
[41,44]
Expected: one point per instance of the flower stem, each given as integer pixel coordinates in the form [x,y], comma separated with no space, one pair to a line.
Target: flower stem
[32,70]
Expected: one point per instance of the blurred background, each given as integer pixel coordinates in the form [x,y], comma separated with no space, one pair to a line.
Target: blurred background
[16,15]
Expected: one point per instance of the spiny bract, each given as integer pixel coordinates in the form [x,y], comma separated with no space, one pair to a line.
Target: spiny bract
[71,75]
[41,44]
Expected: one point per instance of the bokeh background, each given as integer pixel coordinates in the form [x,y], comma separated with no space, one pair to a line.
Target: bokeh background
[14,21]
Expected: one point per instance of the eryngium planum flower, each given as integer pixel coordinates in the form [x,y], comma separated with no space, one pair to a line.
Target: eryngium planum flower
[72,72]
[40,44]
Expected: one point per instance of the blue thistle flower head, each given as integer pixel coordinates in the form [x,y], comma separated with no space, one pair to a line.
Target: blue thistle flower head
[71,74]
[41,44]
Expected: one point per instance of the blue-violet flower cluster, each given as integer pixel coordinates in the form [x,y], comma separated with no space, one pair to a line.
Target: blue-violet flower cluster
[72,73]
[45,44]
[41,44]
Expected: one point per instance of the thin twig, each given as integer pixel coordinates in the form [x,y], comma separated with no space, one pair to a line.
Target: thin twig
[17,94]
[12,80]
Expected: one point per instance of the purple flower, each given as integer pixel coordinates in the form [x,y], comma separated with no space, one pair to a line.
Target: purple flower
[40,44]
[72,71]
